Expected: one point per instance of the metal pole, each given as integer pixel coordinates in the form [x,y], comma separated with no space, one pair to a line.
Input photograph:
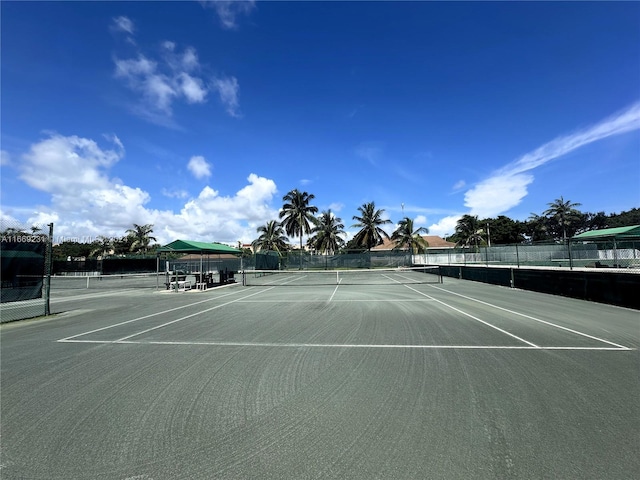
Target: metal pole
[47,290]
[570,256]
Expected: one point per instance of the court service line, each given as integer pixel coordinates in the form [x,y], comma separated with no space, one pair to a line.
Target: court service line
[531,318]
[473,317]
[351,345]
[120,340]
[145,316]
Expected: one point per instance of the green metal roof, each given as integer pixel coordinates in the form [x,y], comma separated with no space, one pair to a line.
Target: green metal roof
[632,231]
[188,246]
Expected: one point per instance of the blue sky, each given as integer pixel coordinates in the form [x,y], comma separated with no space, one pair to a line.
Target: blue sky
[198,117]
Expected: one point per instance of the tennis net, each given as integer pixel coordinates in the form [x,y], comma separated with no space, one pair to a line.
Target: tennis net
[107,282]
[377,276]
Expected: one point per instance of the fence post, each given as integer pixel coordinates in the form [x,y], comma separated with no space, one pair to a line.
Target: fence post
[49,267]
[570,257]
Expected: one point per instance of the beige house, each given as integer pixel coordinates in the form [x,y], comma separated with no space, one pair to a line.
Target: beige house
[434,241]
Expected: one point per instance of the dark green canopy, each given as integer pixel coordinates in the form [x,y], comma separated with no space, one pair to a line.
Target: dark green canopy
[619,233]
[188,246]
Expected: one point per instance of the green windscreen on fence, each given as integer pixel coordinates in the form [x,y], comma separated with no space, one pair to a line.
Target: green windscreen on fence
[23,270]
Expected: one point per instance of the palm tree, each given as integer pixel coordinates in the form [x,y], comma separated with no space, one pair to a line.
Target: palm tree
[369,221]
[141,237]
[328,231]
[101,247]
[271,237]
[536,227]
[297,215]
[468,231]
[406,237]
[563,213]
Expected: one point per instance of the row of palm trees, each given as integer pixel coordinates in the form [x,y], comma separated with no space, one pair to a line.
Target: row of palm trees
[326,231]
[559,221]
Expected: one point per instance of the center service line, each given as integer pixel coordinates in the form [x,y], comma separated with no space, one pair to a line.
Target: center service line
[334,291]
[192,315]
[145,316]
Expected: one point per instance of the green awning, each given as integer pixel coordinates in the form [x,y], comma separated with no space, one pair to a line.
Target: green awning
[188,246]
[627,233]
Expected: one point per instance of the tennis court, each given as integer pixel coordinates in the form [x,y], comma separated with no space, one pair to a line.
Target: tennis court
[395,375]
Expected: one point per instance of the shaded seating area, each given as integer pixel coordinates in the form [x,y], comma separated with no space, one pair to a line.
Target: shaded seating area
[201,279]
[617,247]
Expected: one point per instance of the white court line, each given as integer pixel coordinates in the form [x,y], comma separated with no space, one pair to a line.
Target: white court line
[120,340]
[474,318]
[334,291]
[530,317]
[352,345]
[193,314]
[365,300]
[145,316]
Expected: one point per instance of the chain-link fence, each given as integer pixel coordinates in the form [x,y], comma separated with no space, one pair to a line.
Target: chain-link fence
[305,260]
[593,254]
[25,254]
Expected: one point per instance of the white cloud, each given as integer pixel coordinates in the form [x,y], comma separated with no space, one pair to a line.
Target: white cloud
[336,207]
[88,193]
[199,167]
[92,202]
[445,227]
[497,194]
[189,59]
[172,77]
[370,151]
[172,193]
[5,158]
[192,88]
[459,185]
[228,90]
[123,24]
[228,11]
[420,220]
[508,186]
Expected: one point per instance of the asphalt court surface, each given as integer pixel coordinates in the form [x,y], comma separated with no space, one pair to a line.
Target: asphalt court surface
[365,316]
[452,380]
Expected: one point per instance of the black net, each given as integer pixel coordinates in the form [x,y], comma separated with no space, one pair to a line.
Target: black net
[378,276]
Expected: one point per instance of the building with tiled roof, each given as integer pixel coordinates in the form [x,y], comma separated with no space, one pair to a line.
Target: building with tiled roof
[433,241]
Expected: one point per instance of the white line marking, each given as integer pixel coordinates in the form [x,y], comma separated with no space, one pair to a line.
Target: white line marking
[474,318]
[530,317]
[146,316]
[366,300]
[350,345]
[189,316]
[334,291]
